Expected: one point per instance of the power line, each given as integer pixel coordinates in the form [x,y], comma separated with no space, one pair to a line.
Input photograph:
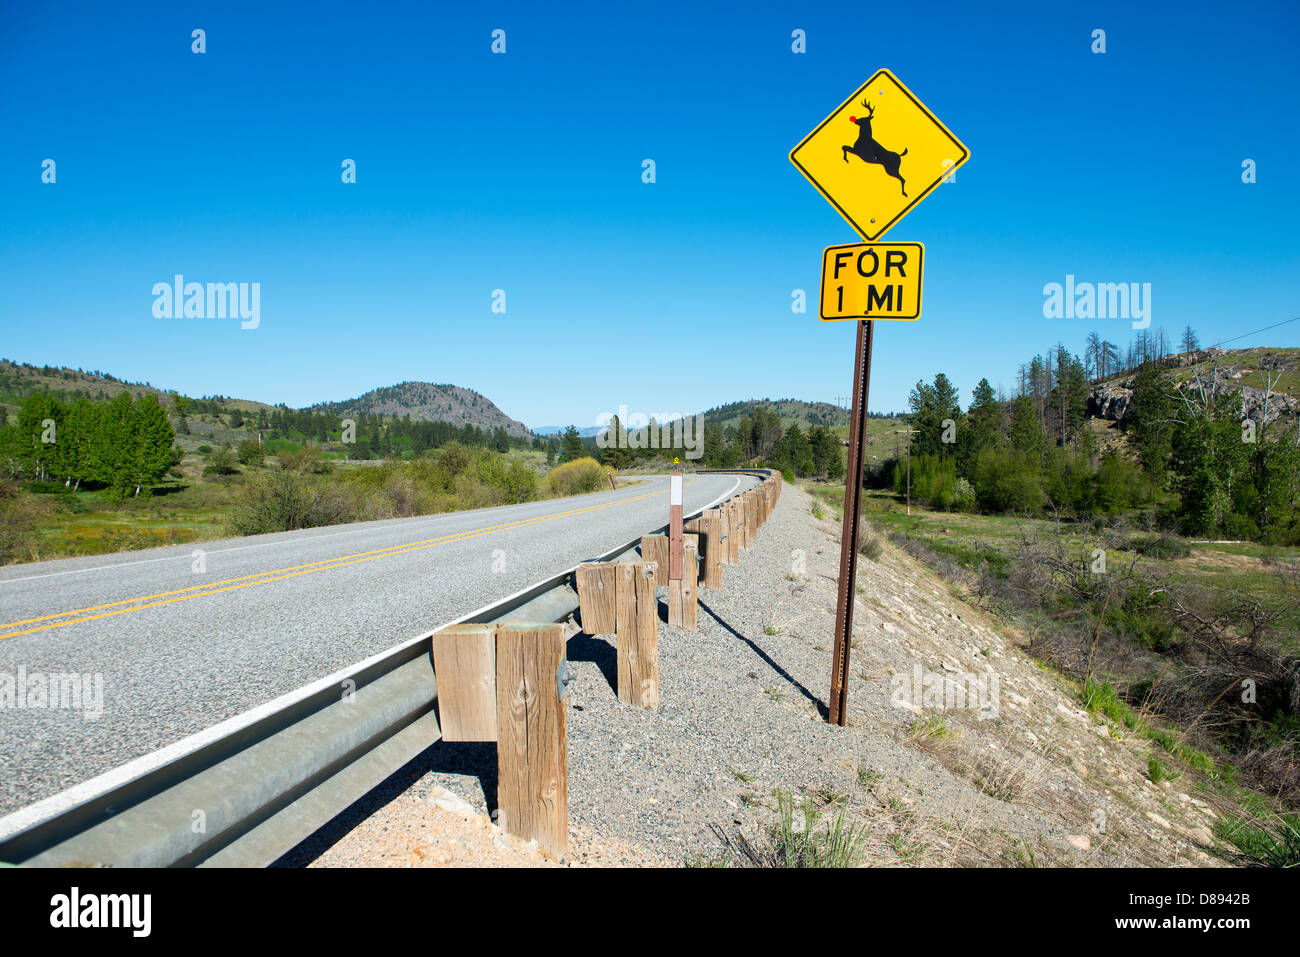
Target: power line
[1257,331]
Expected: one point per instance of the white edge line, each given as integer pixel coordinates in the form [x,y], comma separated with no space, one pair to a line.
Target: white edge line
[79,794]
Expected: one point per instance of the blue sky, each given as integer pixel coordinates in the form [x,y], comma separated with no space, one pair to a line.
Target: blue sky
[522,172]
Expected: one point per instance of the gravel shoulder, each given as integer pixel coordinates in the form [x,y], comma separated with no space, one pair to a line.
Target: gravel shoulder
[1017,775]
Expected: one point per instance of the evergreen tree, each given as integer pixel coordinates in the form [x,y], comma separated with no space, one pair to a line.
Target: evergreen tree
[1150,420]
[1210,463]
[983,427]
[571,445]
[1024,433]
[930,406]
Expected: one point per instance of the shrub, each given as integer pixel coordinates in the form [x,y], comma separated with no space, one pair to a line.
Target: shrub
[285,501]
[963,496]
[576,477]
[20,518]
[519,483]
[307,459]
[1162,546]
[251,452]
[1008,481]
[1238,526]
[221,461]
[934,480]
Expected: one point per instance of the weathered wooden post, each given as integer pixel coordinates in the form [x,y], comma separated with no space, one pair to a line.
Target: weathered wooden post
[732,535]
[654,550]
[532,749]
[713,549]
[683,596]
[597,584]
[638,635]
[464,665]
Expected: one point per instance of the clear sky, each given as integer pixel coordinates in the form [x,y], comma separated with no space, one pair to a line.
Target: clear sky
[523,172]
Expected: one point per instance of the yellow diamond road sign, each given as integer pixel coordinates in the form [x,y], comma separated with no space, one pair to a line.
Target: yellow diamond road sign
[879,154]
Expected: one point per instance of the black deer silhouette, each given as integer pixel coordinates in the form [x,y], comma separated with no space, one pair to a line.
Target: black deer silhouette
[869,151]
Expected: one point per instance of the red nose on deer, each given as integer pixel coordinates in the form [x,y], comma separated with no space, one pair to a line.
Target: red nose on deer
[869,151]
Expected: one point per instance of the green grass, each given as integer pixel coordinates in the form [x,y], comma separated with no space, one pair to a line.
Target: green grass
[837,844]
[930,727]
[1274,842]
[1101,697]
[1157,772]
[91,523]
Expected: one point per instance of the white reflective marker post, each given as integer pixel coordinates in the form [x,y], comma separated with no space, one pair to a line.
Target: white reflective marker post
[675,526]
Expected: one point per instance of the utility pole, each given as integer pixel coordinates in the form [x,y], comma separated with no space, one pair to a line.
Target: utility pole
[909,432]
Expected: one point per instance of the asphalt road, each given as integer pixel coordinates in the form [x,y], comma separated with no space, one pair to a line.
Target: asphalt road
[181,644]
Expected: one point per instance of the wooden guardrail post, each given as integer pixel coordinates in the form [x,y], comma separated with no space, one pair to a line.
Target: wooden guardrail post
[654,550]
[732,534]
[597,586]
[692,539]
[712,549]
[464,663]
[683,595]
[742,520]
[532,748]
[751,515]
[638,635]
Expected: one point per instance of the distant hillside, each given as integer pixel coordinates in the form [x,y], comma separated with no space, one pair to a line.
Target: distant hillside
[790,411]
[427,402]
[18,380]
[422,401]
[560,429]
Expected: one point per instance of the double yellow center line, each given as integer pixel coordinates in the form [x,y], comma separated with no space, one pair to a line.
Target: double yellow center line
[292,571]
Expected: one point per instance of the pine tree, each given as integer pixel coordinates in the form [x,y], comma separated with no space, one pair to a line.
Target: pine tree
[1024,433]
[571,445]
[983,427]
[1150,420]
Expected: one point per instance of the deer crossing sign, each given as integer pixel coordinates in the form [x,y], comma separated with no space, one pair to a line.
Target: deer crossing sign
[878,154]
[872,281]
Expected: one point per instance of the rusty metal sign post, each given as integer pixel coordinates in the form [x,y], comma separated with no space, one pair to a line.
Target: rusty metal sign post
[895,140]
[839,703]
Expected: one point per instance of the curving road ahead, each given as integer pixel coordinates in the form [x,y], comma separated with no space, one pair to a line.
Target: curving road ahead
[182,643]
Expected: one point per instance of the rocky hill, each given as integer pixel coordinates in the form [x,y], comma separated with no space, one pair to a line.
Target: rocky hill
[427,402]
[1268,379]
[422,401]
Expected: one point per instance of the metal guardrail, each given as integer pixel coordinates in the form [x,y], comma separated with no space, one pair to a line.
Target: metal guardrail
[248,790]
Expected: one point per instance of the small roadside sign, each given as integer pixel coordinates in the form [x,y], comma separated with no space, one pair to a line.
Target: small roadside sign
[871,281]
[878,154]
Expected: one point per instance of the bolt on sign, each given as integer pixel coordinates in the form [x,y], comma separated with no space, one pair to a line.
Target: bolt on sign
[871,281]
[878,154]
